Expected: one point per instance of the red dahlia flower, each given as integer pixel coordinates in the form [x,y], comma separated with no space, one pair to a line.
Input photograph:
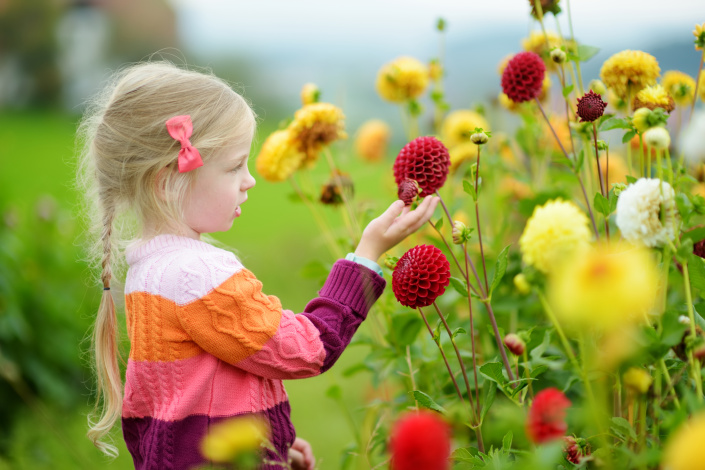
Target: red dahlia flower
[547,416]
[421,275]
[420,440]
[424,159]
[590,107]
[522,78]
[575,449]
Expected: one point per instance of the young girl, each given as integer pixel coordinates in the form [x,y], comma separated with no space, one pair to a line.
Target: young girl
[169,147]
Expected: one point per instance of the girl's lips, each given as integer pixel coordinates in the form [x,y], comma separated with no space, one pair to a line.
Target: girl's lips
[238,211]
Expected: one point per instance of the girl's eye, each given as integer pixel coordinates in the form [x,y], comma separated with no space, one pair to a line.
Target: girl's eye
[238,167]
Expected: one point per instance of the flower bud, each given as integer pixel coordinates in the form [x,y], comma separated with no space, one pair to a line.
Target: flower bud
[408,191]
[598,87]
[461,233]
[658,138]
[310,94]
[641,119]
[479,138]
[515,344]
[618,188]
[558,56]
[602,145]
[684,320]
[522,284]
[637,380]
[391,262]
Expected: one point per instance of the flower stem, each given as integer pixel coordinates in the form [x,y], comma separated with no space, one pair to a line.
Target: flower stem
[480,443]
[559,330]
[477,218]
[695,362]
[351,221]
[460,361]
[669,382]
[472,332]
[411,373]
[454,258]
[587,201]
[332,246]
[599,177]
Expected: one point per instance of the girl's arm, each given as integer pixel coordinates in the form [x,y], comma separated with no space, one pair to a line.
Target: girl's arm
[236,322]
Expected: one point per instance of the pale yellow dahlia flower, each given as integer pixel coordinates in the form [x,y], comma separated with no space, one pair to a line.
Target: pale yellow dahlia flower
[463,152]
[315,126]
[653,97]
[228,439]
[627,72]
[372,140]
[278,158]
[536,42]
[684,449]
[402,79]
[459,125]
[680,86]
[554,231]
[699,33]
[606,288]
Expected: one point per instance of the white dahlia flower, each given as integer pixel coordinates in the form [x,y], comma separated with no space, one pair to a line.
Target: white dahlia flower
[647,214]
[693,139]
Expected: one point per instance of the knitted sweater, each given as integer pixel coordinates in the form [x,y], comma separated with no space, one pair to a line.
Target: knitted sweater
[207,344]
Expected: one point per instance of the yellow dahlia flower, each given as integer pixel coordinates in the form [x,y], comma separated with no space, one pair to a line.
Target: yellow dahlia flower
[699,33]
[606,288]
[228,439]
[402,79]
[684,449]
[463,152]
[653,97]
[503,64]
[459,125]
[315,126]
[372,140]
[620,104]
[514,189]
[310,94]
[637,381]
[617,171]
[627,72]
[435,70]
[278,158]
[554,231]
[680,86]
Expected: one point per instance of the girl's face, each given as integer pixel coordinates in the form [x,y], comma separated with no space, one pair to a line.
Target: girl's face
[220,188]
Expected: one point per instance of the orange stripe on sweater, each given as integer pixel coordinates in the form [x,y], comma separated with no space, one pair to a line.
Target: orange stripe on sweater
[232,322]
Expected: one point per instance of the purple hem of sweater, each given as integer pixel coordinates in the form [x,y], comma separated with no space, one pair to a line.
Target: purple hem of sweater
[183,438]
[347,295]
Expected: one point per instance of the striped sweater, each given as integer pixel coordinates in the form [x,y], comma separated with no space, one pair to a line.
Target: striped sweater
[207,344]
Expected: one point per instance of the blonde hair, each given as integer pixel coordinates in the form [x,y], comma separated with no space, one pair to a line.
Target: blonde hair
[125,151]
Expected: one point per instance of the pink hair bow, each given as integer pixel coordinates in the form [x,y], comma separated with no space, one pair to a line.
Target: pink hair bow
[181,128]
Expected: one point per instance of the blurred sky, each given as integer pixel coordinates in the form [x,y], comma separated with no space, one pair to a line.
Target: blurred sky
[340,45]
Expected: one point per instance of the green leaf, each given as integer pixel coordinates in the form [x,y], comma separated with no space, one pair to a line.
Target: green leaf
[334,392]
[439,224]
[631,179]
[602,204]
[696,272]
[628,136]
[458,331]
[671,329]
[622,428]
[459,285]
[581,160]
[615,123]
[613,200]
[685,250]
[466,454]
[405,328]
[507,441]
[489,399]
[538,370]
[568,90]
[493,371]
[427,402]
[697,234]
[470,189]
[586,53]
[314,270]
[500,268]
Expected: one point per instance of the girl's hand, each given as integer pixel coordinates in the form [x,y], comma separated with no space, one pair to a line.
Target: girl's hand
[391,227]
[301,456]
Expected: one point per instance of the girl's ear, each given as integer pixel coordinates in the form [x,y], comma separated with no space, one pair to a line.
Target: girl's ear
[160,183]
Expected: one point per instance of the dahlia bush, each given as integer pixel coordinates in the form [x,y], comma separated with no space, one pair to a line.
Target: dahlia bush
[549,315]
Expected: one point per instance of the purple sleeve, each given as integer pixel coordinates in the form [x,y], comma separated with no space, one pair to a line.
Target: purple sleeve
[347,295]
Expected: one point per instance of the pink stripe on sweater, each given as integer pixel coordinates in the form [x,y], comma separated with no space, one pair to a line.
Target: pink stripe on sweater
[214,388]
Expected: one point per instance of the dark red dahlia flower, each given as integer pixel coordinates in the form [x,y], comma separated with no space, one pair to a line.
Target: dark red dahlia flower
[575,449]
[590,107]
[547,416]
[515,344]
[522,78]
[425,160]
[420,440]
[408,191]
[421,275]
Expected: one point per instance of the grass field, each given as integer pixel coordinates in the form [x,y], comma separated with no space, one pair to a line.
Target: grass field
[275,239]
